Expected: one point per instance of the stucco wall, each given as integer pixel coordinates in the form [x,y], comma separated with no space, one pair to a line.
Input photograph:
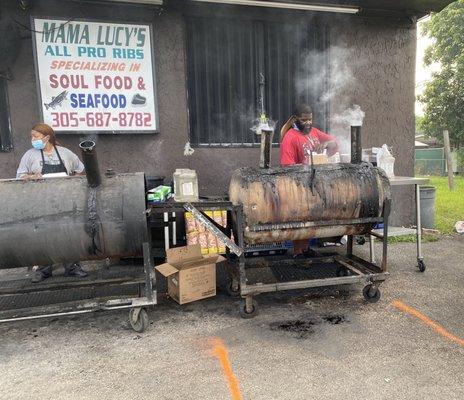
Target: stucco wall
[381,56]
[383,85]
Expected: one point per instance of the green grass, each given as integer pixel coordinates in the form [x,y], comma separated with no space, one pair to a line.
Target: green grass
[412,239]
[449,206]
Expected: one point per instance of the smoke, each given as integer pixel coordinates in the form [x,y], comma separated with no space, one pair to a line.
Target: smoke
[352,116]
[262,125]
[313,82]
[334,91]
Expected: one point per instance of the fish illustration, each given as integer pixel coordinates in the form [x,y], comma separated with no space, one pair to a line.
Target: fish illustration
[56,100]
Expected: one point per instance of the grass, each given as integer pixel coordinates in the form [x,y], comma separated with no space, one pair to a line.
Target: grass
[449,208]
[426,238]
[449,205]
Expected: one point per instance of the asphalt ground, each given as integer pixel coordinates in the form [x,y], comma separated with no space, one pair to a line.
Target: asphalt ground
[313,344]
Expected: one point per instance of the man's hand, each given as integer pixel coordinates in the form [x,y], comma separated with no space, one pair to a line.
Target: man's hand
[330,145]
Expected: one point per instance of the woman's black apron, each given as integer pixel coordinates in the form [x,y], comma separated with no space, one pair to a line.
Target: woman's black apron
[50,168]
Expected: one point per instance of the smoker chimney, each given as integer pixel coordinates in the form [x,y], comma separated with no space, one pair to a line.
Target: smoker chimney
[356,147]
[89,157]
[266,147]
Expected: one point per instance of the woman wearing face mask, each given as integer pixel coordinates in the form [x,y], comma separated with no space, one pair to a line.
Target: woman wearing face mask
[46,157]
[300,138]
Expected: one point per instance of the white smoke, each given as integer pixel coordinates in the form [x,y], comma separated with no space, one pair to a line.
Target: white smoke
[312,78]
[260,125]
[352,116]
[335,91]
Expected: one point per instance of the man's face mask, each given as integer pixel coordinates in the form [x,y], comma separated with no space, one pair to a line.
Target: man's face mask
[304,123]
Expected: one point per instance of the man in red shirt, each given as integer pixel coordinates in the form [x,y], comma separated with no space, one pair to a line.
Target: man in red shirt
[302,138]
[299,139]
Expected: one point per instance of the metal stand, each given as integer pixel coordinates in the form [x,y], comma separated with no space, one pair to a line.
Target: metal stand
[348,269]
[404,181]
[112,288]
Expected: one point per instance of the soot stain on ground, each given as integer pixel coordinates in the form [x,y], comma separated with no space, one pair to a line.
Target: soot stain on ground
[300,327]
[305,327]
[334,319]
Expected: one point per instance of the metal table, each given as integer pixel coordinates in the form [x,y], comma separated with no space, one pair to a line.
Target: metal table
[403,181]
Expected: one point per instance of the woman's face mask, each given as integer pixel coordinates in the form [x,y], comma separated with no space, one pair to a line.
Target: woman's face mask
[38,140]
[38,144]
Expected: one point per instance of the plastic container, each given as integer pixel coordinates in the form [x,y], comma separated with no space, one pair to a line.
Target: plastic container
[185,185]
[386,161]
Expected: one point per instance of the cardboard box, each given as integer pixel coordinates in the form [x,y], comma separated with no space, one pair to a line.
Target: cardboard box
[191,276]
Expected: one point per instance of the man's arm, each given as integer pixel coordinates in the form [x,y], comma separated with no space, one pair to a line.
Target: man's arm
[328,142]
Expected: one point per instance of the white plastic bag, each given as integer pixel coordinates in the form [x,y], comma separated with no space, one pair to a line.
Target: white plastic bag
[459,226]
[386,161]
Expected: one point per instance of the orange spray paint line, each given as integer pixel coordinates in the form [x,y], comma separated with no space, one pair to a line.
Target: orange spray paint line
[427,321]
[219,351]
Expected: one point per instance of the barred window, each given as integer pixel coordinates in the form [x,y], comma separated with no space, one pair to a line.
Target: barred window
[226,58]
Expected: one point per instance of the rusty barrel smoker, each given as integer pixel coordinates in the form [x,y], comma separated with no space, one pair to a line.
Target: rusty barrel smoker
[303,202]
[284,203]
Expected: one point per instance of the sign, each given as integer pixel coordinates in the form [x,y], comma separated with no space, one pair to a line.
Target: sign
[95,76]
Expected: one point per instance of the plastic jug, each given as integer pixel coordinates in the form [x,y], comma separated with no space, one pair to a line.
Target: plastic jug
[185,185]
[386,161]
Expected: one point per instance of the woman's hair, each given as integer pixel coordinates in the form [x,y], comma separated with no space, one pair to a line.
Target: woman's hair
[46,130]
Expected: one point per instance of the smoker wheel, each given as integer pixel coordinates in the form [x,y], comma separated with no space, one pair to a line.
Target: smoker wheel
[371,293]
[232,291]
[360,240]
[244,313]
[421,265]
[138,319]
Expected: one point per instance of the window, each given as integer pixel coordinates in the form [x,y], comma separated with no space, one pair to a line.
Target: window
[225,59]
[5,127]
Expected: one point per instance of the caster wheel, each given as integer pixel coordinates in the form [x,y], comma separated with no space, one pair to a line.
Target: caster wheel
[421,265]
[245,314]
[371,293]
[138,319]
[360,240]
[231,290]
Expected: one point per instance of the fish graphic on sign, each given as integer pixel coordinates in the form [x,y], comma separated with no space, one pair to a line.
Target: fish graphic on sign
[57,100]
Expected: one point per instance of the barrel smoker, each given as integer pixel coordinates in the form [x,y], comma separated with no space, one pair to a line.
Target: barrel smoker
[72,219]
[300,203]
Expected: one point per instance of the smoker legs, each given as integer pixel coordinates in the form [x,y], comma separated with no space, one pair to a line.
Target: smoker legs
[248,307]
[371,293]
[138,319]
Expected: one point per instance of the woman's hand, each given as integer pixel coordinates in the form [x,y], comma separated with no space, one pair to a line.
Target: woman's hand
[31,176]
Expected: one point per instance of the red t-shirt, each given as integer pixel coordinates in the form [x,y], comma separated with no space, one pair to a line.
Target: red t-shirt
[295,146]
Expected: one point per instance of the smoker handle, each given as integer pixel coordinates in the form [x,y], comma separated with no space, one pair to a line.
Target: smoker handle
[313,171]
